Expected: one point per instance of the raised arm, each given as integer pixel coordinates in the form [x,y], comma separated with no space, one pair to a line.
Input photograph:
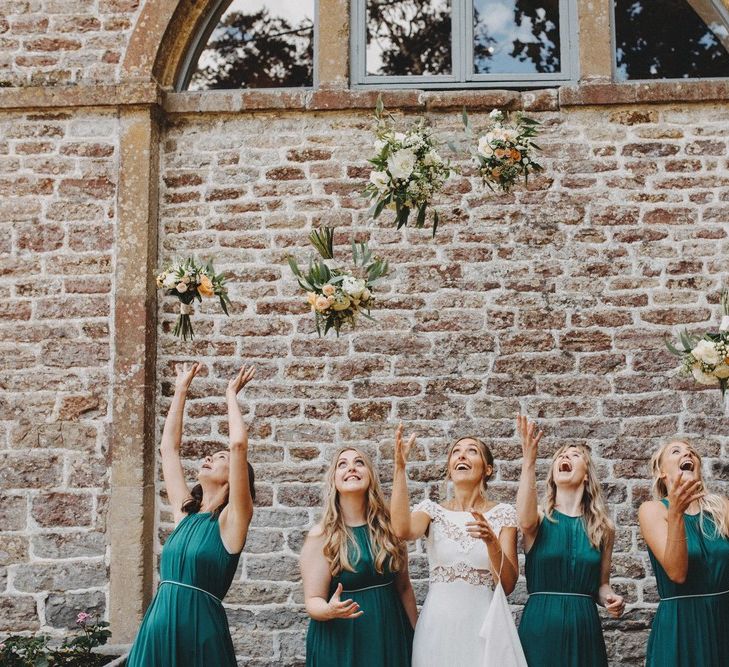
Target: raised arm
[663,529]
[614,604]
[407,525]
[316,578]
[172,473]
[236,517]
[527,510]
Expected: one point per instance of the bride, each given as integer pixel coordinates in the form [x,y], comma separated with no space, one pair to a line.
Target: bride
[471,543]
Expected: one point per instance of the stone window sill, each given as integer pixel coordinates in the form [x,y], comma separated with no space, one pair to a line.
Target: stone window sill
[134,93]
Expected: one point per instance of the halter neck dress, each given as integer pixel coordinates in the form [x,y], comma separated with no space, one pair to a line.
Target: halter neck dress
[691,625]
[186,625]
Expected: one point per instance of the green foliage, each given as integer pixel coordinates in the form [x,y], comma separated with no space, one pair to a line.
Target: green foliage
[20,651]
[338,295]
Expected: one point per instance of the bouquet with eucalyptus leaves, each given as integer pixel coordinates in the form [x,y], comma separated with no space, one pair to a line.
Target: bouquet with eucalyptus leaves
[706,357]
[408,170]
[338,295]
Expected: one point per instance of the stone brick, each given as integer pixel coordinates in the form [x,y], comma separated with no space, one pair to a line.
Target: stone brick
[37,577]
[62,509]
[62,609]
[18,613]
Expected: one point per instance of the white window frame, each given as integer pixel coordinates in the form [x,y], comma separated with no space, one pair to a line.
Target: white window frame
[200,41]
[721,9]
[462,75]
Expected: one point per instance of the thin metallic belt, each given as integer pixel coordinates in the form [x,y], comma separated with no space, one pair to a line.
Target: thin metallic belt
[577,595]
[698,595]
[194,588]
[367,588]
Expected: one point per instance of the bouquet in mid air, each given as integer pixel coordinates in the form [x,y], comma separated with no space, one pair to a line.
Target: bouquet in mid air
[339,295]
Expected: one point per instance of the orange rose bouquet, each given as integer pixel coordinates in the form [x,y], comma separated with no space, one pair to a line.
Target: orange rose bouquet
[187,281]
[505,152]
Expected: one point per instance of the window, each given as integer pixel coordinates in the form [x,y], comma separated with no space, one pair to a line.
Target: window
[253,44]
[689,40]
[462,43]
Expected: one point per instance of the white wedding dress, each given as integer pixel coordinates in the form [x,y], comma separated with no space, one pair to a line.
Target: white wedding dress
[464,623]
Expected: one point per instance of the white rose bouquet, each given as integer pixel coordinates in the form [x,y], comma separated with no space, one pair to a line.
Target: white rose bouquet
[706,357]
[337,296]
[408,171]
[505,152]
[188,280]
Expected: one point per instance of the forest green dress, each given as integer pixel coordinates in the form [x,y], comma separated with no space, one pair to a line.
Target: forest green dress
[562,630]
[693,631]
[381,637]
[186,625]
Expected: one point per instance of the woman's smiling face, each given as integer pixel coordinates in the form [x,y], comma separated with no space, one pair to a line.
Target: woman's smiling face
[351,474]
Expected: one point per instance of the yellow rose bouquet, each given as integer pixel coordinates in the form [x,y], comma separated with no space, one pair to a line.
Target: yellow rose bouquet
[706,358]
[336,295]
[505,152]
[189,280]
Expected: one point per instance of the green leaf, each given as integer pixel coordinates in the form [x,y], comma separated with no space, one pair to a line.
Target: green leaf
[420,221]
[380,106]
[436,219]
[323,240]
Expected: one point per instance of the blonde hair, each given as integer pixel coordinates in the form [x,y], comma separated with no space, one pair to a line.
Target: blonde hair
[486,457]
[594,512]
[387,549]
[712,504]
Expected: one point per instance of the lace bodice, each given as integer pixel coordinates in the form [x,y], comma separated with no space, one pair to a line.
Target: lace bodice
[453,555]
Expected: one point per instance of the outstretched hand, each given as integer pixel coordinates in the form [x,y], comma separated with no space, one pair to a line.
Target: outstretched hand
[402,449]
[185,374]
[245,375]
[342,608]
[684,492]
[530,438]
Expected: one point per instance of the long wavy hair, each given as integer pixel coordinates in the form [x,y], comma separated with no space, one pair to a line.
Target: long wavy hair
[340,547]
[594,511]
[712,504]
[487,458]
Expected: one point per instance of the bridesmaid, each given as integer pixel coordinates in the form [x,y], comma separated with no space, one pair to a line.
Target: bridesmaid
[353,554]
[687,533]
[186,626]
[568,547]
[471,543]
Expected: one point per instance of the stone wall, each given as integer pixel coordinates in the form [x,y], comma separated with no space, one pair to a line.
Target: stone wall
[60,42]
[552,300]
[57,216]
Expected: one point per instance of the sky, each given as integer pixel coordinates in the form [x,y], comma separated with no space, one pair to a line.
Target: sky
[293,10]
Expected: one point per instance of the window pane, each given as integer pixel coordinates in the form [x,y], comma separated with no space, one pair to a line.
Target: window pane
[408,37]
[516,36]
[670,39]
[259,44]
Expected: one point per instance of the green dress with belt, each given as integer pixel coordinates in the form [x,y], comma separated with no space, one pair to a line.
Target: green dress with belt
[691,626]
[560,626]
[382,636]
[186,625]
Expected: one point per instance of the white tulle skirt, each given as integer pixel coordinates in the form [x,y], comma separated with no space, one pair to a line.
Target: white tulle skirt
[462,625]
